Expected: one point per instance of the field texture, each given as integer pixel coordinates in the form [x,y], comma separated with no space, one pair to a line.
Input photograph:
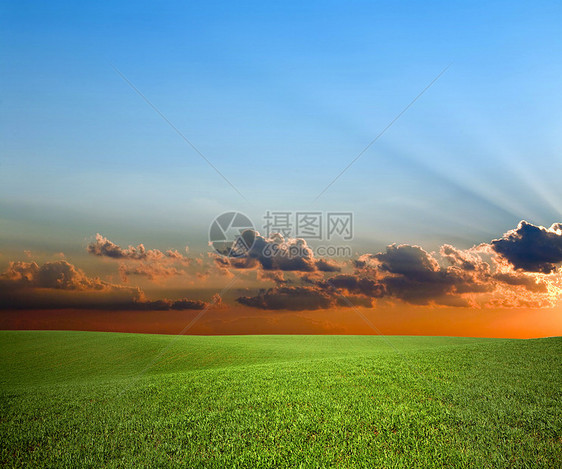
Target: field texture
[86,399]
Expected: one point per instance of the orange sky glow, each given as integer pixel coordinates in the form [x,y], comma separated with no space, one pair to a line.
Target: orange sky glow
[520,323]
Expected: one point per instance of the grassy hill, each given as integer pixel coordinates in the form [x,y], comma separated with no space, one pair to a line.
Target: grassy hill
[104,399]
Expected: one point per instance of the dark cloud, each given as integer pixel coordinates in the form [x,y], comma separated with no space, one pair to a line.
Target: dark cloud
[316,294]
[531,248]
[164,305]
[289,298]
[354,284]
[277,253]
[411,274]
[410,261]
[354,301]
[304,297]
[453,277]
[529,282]
[324,265]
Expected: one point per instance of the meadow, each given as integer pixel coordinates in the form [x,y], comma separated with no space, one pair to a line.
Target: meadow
[92,399]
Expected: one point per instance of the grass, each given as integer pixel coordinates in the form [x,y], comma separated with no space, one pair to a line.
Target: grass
[87,399]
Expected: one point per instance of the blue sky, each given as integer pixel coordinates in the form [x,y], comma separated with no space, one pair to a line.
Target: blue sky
[280,97]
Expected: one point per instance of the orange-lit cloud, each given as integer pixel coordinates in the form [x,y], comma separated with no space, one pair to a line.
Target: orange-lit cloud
[103,247]
[155,272]
[60,284]
[152,264]
[56,275]
[517,270]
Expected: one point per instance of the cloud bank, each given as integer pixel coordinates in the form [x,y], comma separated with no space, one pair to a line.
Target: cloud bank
[520,269]
[59,284]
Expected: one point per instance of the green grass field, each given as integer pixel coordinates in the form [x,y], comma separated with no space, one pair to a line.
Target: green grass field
[87,399]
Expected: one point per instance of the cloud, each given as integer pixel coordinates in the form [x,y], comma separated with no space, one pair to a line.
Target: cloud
[411,274]
[409,261]
[59,284]
[531,248]
[289,298]
[321,295]
[353,284]
[57,275]
[272,275]
[164,305]
[277,253]
[152,264]
[476,277]
[518,269]
[154,272]
[324,265]
[103,247]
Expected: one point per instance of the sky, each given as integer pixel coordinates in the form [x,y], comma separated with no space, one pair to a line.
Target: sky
[122,127]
